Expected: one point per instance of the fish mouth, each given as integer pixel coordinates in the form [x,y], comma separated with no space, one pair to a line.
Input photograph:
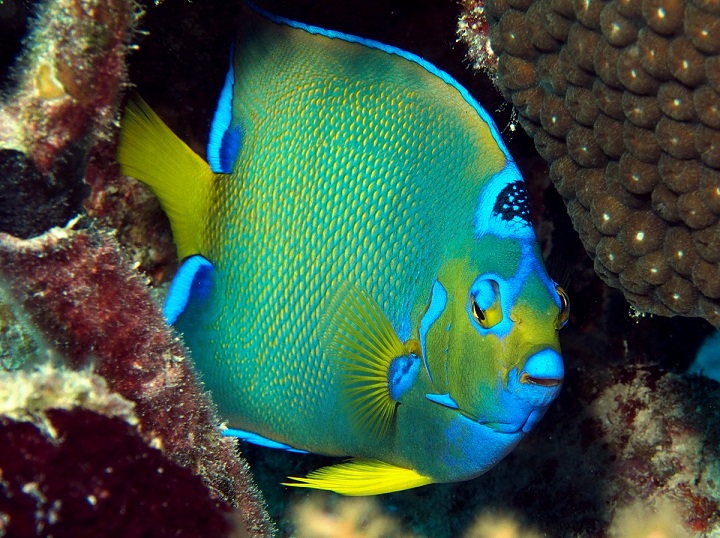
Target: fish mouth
[540,381]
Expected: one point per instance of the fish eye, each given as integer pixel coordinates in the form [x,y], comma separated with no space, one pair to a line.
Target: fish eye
[564,314]
[485,318]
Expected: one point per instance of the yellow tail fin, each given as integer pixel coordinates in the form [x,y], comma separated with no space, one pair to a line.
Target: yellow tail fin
[150,152]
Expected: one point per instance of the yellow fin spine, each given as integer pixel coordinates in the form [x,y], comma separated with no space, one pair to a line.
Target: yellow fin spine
[361,477]
[150,152]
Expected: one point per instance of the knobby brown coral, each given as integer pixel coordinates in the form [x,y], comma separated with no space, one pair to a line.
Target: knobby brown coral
[622,98]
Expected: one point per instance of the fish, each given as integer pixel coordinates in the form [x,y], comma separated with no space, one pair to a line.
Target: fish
[359,273]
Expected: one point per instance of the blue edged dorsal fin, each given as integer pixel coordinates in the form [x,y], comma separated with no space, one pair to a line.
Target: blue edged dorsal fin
[389,49]
[259,440]
[225,137]
[193,277]
[361,477]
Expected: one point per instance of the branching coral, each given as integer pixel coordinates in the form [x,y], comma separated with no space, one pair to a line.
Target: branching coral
[622,99]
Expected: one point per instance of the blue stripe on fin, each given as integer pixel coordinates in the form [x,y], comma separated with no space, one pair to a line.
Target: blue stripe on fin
[193,277]
[229,149]
[225,140]
[260,440]
[334,34]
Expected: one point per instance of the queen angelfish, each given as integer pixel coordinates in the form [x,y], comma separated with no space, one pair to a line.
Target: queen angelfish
[360,276]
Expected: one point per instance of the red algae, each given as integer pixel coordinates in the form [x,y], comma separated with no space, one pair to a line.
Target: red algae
[96,467]
[77,288]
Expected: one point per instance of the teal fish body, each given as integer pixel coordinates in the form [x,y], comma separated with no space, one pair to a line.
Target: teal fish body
[361,277]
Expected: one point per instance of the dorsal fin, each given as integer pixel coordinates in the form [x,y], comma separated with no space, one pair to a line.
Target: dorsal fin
[390,49]
[225,137]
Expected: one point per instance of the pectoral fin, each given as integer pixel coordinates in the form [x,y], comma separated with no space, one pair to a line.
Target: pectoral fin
[364,345]
[361,477]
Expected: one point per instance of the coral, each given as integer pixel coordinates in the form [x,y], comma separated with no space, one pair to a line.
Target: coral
[64,100]
[90,470]
[641,520]
[473,29]
[76,288]
[326,515]
[69,295]
[28,395]
[622,100]
[491,525]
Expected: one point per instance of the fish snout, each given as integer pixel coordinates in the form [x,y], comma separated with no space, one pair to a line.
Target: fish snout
[545,368]
[540,379]
[528,393]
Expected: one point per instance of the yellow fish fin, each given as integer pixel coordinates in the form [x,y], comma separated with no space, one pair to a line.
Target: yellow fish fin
[150,152]
[361,477]
[364,344]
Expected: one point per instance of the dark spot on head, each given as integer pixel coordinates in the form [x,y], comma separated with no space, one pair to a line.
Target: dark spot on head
[513,202]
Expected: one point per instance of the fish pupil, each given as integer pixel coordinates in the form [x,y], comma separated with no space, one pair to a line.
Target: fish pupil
[477,312]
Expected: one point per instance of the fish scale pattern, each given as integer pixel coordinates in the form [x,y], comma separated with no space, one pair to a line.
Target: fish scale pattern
[383,205]
[622,98]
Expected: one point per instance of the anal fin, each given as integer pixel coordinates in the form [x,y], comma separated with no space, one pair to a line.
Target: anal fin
[361,477]
[194,277]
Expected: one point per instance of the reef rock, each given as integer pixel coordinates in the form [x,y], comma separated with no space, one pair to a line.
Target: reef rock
[622,99]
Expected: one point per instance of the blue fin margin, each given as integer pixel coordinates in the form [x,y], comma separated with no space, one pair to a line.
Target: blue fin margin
[193,278]
[259,440]
[225,139]
[446,77]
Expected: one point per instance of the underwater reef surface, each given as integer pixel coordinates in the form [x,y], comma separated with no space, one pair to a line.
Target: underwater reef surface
[622,98]
[95,377]
[105,428]
[110,402]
